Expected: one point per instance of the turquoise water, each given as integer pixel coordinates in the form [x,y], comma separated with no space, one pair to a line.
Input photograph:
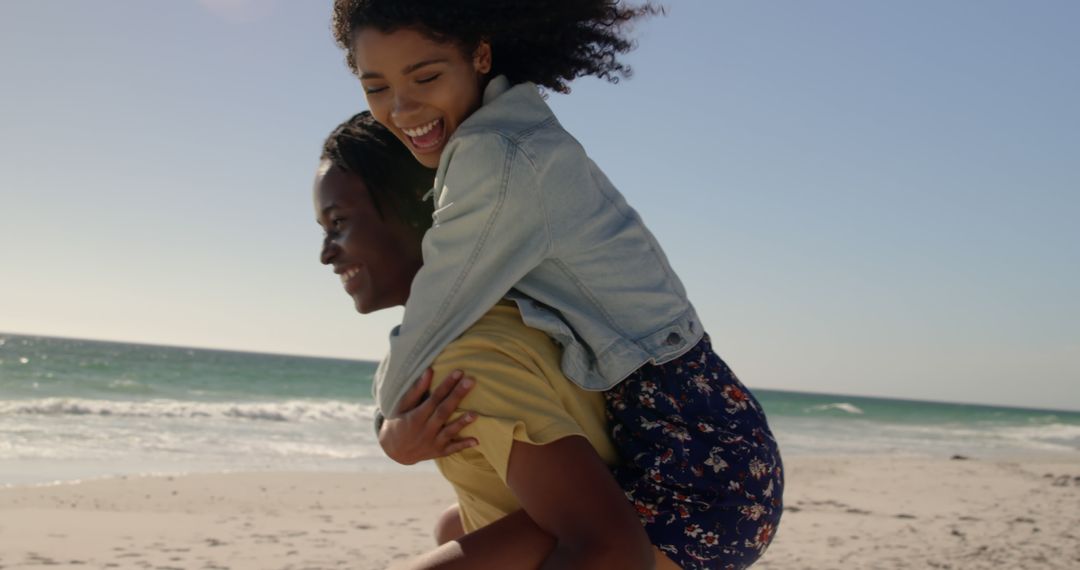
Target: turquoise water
[75,409]
[829,423]
[72,409]
[36,367]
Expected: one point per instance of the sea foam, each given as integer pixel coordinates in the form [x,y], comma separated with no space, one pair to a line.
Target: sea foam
[842,406]
[281,411]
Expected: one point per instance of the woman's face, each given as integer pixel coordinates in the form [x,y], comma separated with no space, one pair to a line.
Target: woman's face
[419,88]
[375,256]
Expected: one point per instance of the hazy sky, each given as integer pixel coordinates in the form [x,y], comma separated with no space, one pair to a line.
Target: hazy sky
[874,198]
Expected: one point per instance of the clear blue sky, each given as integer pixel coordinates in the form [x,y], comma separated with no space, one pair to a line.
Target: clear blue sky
[872,198]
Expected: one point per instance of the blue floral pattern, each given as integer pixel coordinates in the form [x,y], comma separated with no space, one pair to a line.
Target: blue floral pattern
[699,462]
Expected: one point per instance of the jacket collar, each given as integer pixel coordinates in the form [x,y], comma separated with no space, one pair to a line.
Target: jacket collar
[508,108]
[495,87]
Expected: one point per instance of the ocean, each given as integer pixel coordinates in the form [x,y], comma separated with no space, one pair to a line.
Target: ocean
[78,409]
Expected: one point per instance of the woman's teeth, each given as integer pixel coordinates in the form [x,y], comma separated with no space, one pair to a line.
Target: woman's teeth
[349,274]
[421,130]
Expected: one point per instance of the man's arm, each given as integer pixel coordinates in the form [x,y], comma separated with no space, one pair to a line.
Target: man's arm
[571,494]
[574,516]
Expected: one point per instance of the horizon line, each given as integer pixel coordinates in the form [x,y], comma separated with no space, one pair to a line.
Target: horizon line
[182,346]
[348,359]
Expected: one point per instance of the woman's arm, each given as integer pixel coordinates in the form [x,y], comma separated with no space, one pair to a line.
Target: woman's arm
[574,515]
[489,231]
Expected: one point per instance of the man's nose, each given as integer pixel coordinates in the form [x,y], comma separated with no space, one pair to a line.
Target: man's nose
[329,251]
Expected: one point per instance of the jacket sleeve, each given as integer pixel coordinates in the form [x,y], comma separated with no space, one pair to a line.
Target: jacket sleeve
[490,229]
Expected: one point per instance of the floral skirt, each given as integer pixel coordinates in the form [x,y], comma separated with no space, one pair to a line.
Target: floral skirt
[699,462]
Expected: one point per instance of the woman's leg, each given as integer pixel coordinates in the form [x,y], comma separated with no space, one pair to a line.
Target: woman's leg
[704,469]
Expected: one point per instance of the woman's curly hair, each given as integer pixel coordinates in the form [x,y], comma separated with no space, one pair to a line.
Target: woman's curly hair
[547,42]
[395,181]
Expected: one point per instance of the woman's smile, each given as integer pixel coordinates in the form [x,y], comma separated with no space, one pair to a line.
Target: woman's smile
[427,135]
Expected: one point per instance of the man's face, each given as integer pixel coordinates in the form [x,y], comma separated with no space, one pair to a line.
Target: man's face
[375,255]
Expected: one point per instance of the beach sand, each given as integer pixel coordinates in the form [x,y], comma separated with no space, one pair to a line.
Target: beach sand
[850,512]
[888,513]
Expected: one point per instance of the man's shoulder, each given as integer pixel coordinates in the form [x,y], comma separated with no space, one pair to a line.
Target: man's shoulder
[500,339]
[506,357]
[501,329]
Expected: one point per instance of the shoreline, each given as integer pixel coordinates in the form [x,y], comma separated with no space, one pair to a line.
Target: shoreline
[840,512]
[26,476]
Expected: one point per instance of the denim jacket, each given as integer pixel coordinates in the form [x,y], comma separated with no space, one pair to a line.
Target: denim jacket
[519,205]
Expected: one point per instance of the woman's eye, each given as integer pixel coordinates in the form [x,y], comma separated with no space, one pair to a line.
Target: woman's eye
[374,90]
[429,78]
[336,223]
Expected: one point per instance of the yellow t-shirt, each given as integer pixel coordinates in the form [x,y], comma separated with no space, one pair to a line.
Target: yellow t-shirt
[520,394]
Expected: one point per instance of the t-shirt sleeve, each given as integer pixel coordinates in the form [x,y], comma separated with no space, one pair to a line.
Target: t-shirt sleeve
[513,398]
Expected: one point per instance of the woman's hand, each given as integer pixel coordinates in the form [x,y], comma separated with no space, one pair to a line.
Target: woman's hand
[418,431]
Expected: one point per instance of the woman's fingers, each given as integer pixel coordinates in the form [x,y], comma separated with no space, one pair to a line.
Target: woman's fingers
[421,429]
[415,395]
[459,444]
[445,398]
[445,388]
[449,431]
[450,402]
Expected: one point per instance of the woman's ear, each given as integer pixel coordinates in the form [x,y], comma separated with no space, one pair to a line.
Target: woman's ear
[482,57]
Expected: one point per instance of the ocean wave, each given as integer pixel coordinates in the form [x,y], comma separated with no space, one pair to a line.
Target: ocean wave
[842,406]
[284,411]
[1056,434]
[820,433]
